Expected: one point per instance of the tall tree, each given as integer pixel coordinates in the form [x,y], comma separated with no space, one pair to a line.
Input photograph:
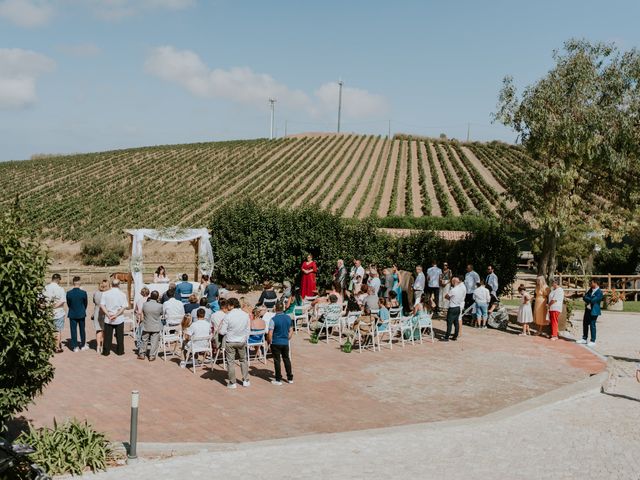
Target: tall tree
[581,125]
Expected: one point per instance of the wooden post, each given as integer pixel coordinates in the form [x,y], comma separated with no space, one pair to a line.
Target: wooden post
[196,247]
[609,281]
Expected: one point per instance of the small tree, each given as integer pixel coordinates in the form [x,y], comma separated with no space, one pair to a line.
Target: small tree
[581,125]
[26,329]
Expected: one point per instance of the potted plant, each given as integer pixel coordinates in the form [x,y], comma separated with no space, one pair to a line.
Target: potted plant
[614,300]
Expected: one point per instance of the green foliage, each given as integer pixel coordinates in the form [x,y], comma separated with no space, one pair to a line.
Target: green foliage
[253,243]
[102,251]
[579,125]
[619,260]
[27,337]
[71,448]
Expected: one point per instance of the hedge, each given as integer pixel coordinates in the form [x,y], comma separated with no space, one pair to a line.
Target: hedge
[252,243]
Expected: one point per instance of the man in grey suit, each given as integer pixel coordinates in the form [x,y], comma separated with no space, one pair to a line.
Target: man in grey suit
[151,326]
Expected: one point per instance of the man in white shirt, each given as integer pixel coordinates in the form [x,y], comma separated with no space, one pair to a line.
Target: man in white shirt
[357,276]
[471,279]
[113,304]
[199,328]
[236,327]
[418,285]
[456,297]
[491,281]
[173,311]
[434,275]
[374,281]
[56,297]
[481,297]
[556,302]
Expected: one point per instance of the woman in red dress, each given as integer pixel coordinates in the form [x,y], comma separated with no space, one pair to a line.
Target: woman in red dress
[308,282]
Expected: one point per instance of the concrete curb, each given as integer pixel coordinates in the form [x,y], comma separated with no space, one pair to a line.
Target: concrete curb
[590,385]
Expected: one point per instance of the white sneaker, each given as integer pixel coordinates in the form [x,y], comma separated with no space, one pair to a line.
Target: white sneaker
[275,382]
[232,385]
[290,381]
[246,383]
[582,341]
[77,349]
[86,347]
[591,344]
[183,364]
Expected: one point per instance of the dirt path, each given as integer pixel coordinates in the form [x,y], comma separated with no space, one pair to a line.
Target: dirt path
[489,200]
[486,174]
[401,208]
[388,182]
[435,206]
[344,174]
[357,176]
[377,183]
[415,181]
[364,181]
[320,176]
[455,211]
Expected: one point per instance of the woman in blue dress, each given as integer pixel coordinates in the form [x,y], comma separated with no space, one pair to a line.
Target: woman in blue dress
[396,285]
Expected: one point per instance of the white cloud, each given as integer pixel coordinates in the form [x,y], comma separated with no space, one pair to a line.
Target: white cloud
[26,13]
[80,49]
[356,103]
[117,9]
[19,70]
[243,85]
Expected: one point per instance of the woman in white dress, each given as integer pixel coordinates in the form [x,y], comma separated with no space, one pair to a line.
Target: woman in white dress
[160,276]
[525,314]
[445,286]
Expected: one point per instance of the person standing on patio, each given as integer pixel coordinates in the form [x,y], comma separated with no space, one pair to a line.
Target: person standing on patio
[340,275]
[212,293]
[151,327]
[113,303]
[471,279]
[445,286]
[235,327]
[280,333]
[540,305]
[98,314]
[434,276]
[308,281]
[77,302]
[556,301]
[456,297]
[419,285]
[356,276]
[592,300]
[56,297]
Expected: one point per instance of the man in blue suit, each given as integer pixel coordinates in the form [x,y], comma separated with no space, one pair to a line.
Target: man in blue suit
[77,303]
[592,300]
[184,289]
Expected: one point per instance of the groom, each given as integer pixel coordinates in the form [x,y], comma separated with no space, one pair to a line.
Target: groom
[592,300]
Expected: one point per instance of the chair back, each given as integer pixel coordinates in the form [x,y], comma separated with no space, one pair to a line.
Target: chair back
[395,312]
[201,344]
[424,319]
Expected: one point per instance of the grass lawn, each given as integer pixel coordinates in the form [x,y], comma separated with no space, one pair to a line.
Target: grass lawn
[578,305]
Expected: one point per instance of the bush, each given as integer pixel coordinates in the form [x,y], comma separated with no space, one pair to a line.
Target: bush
[253,243]
[71,447]
[27,337]
[102,251]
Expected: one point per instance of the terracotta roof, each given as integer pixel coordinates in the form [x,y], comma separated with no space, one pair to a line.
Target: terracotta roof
[452,235]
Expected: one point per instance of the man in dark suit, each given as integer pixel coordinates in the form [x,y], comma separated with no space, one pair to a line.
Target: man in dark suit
[592,300]
[77,303]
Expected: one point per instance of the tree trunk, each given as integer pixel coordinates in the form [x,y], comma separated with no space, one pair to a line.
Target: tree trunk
[548,258]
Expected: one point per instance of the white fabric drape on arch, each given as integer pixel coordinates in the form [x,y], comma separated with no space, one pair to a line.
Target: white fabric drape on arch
[174,234]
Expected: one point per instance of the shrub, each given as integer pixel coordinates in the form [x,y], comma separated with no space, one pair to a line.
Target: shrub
[102,251]
[71,447]
[27,337]
[253,243]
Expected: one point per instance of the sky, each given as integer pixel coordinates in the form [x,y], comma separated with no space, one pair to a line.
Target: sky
[93,75]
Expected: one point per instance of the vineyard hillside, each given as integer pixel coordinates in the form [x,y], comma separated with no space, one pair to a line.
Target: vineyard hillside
[78,196]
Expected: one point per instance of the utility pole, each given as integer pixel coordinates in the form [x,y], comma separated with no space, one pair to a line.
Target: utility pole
[339,102]
[389,134]
[272,102]
[285,128]
[468,129]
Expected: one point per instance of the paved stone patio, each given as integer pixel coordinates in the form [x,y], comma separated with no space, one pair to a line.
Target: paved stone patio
[484,371]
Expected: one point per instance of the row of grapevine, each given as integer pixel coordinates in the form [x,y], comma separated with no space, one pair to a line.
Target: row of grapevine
[393,202]
[458,194]
[375,174]
[424,189]
[443,201]
[385,174]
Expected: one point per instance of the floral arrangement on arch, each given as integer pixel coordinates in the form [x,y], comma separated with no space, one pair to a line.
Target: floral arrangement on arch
[136,263]
[204,264]
[613,296]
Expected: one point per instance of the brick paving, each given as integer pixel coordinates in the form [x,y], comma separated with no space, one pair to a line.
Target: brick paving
[484,371]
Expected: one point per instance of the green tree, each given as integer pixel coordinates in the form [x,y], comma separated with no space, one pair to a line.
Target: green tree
[26,329]
[581,125]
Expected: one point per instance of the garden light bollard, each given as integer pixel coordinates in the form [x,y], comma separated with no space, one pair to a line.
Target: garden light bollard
[133,432]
